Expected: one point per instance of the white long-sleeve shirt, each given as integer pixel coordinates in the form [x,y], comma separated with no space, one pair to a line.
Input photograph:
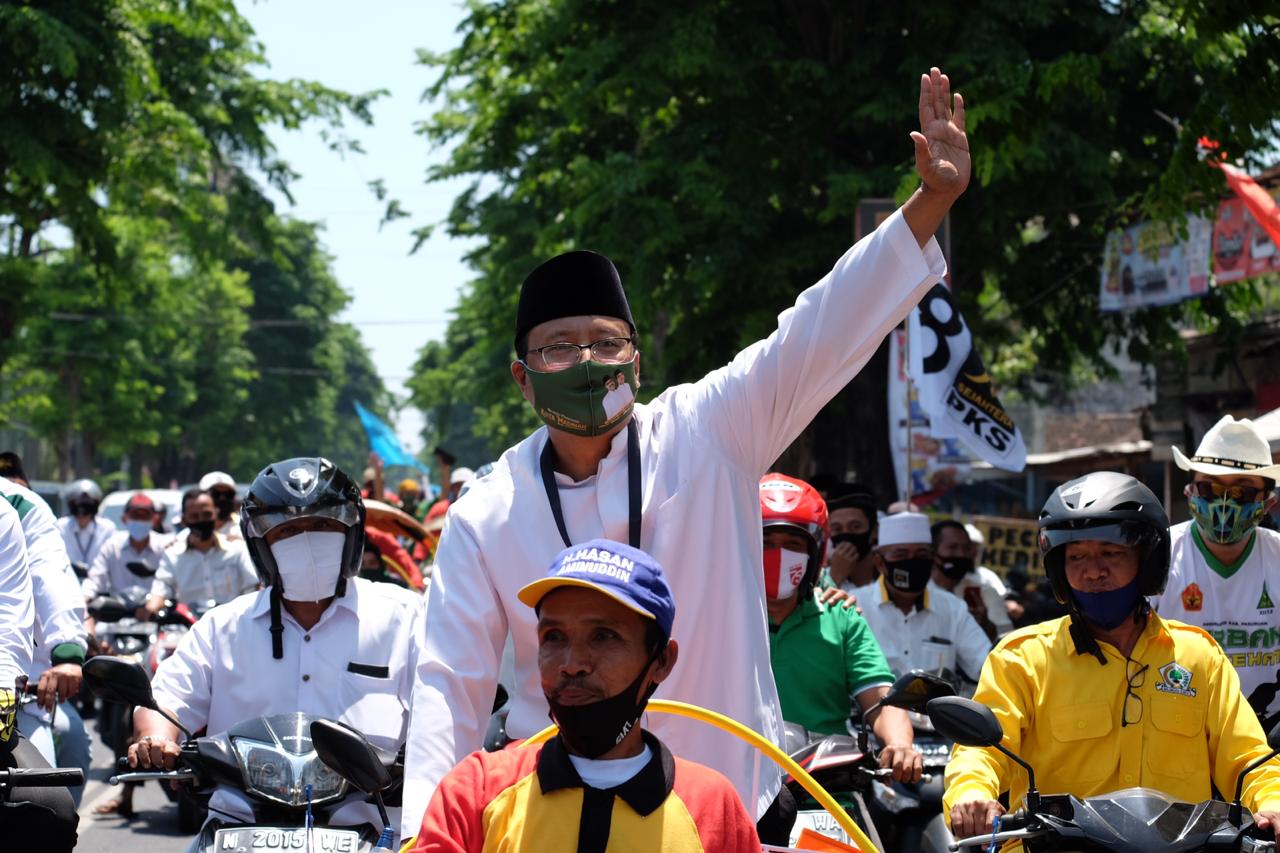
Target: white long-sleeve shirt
[59,606]
[704,447]
[17,610]
[940,633]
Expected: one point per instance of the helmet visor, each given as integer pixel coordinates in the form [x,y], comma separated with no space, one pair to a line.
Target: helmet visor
[347,514]
[1128,534]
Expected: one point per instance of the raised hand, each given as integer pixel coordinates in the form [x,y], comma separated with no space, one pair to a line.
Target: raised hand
[942,149]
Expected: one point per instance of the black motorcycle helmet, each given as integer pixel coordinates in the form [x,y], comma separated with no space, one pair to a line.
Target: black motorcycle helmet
[1109,507]
[306,487]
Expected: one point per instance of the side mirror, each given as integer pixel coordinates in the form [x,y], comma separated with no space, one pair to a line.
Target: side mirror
[140,569]
[106,608]
[1273,738]
[349,755]
[964,721]
[914,690]
[118,680]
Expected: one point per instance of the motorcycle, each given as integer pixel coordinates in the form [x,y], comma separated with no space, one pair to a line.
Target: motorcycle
[172,623]
[130,638]
[1134,820]
[272,760]
[848,768]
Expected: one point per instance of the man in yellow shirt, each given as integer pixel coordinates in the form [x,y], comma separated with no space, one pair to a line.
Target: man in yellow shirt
[1110,696]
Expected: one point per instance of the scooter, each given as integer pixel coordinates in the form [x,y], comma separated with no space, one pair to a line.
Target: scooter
[1133,820]
[847,767]
[272,760]
[129,638]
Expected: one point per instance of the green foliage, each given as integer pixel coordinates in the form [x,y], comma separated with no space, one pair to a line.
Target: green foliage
[716,151]
[141,261]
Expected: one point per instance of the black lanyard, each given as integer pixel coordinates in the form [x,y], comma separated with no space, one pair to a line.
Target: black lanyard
[633,485]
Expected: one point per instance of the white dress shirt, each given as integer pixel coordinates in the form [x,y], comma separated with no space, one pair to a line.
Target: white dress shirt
[196,577]
[939,632]
[223,673]
[109,574]
[703,447]
[59,606]
[17,612]
[84,543]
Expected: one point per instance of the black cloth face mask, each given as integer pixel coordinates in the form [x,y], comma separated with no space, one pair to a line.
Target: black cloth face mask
[201,529]
[861,542]
[910,575]
[593,729]
[957,567]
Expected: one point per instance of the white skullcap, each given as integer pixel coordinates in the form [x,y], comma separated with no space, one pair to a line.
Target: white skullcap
[905,528]
[461,475]
[975,534]
[214,479]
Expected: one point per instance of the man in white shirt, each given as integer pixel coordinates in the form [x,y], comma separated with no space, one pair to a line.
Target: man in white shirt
[138,544]
[659,476]
[84,532]
[1224,571]
[958,573]
[221,487]
[317,640]
[201,568]
[50,816]
[60,639]
[918,624]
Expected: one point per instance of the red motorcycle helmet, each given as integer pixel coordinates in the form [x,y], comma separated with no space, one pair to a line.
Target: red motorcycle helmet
[793,505]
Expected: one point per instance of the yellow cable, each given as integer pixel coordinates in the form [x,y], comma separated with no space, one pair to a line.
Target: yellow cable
[733,727]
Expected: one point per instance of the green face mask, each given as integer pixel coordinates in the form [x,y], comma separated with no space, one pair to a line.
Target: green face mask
[590,398]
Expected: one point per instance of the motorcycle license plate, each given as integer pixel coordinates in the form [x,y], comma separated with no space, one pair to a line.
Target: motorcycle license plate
[251,838]
[819,822]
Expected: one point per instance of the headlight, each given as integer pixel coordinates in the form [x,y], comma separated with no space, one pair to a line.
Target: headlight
[278,776]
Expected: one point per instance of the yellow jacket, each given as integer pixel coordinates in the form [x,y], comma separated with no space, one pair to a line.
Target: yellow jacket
[1061,712]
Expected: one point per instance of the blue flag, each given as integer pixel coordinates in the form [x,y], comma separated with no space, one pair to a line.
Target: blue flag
[383,440]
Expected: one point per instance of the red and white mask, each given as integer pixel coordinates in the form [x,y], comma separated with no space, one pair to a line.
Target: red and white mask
[783,572]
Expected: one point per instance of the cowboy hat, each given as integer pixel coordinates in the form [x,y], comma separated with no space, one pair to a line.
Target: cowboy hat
[1231,447]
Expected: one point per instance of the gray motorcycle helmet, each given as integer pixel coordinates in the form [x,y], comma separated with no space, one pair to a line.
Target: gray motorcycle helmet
[1109,507]
[83,490]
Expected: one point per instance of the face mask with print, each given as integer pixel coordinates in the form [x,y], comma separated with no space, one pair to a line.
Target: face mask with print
[585,399]
[309,564]
[783,572]
[910,575]
[1224,520]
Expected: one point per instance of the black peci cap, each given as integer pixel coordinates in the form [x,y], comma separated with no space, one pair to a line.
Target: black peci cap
[569,285]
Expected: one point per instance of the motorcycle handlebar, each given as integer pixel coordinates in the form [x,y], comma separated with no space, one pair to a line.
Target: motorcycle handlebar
[182,775]
[42,777]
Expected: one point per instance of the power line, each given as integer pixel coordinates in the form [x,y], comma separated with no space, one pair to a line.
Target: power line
[265,323]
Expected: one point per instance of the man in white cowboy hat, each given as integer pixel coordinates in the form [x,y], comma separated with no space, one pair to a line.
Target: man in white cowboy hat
[1224,572]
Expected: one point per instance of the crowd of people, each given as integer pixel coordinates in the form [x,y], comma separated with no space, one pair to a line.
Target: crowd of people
[631,549]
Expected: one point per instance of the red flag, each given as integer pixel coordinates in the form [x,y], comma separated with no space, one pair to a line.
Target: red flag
[1258,201]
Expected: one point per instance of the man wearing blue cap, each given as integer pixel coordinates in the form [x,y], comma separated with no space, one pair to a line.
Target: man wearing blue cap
[658,475]
[604,614]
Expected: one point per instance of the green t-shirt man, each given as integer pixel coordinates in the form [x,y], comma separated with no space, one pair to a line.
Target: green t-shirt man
[822,657]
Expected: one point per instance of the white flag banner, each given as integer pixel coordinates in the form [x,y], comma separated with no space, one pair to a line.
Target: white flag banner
[953,386]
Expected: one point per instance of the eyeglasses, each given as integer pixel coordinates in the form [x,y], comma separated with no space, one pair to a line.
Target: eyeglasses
[607,351]
[1135,683]
[1210,489]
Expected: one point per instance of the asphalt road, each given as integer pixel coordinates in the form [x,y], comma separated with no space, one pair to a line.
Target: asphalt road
[154,830]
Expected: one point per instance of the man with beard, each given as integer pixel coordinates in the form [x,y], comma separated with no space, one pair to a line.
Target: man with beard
[602,783]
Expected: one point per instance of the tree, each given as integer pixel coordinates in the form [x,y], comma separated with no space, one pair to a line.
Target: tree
[716,151]
[134,238]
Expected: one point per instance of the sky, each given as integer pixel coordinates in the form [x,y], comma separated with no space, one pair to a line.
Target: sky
[398,301]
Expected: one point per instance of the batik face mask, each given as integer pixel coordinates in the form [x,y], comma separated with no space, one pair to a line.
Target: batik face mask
[589,398]
[1223,520]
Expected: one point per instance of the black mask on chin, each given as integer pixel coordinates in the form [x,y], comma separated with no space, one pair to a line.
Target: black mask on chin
[593,729]
[911,575]
[861,542]
[957,567]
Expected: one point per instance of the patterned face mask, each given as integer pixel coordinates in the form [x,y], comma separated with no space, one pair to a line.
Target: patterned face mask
[1224,520]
